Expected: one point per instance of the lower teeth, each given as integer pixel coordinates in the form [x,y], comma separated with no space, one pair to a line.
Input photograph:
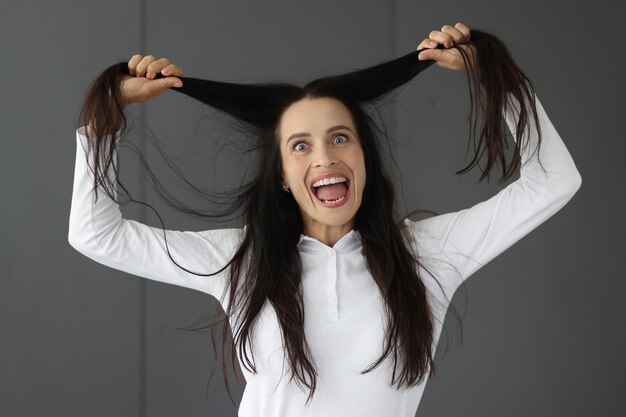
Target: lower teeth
[333,201]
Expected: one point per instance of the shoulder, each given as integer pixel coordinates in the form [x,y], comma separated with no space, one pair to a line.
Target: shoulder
[437,267]
[225,239]
[231,234]
[428,234]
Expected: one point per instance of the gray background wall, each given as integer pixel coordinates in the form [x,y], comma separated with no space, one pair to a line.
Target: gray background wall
[543,324]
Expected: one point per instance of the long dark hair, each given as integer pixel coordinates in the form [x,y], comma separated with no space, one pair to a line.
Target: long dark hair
[266,266]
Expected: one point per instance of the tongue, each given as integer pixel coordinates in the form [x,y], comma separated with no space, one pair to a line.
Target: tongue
[332,191]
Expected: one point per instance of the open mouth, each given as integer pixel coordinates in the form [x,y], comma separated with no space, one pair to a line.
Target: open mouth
[331,191]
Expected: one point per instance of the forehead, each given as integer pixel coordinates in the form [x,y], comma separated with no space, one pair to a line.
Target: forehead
[314,116]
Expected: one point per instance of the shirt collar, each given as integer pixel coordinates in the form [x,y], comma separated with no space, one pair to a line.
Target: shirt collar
[348,241]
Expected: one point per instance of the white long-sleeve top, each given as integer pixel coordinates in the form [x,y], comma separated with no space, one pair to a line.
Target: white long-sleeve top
[344,313]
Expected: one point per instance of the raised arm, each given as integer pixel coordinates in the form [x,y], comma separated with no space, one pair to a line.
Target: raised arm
[97,229]
[464,241]
[470,238]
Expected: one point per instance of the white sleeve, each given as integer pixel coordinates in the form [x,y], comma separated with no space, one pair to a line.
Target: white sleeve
[468,239]
[98,231]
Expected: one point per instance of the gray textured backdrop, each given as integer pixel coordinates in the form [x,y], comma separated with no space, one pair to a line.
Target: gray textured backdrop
[543,325]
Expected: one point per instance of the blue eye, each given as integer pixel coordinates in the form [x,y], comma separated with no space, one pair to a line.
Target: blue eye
[340,136]
[300,146]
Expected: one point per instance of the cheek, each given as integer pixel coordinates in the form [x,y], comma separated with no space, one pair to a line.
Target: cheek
[359,164]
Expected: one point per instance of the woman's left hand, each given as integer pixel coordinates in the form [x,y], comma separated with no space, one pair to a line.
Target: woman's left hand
[448,36]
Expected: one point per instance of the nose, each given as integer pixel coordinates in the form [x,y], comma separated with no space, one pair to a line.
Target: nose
[324,156]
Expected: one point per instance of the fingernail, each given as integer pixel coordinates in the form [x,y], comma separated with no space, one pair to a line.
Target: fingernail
[178,84]
[165,71]
[421,56]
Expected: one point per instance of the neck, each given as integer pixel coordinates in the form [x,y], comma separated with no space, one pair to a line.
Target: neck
[328,235]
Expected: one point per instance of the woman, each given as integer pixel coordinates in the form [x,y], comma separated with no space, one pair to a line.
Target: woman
[340,305]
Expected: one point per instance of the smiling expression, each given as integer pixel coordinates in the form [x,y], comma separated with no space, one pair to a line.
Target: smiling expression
[320,147]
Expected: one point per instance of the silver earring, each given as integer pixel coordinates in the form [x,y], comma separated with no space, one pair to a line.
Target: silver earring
[285,189]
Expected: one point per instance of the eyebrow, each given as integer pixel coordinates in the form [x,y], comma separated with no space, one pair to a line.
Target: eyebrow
[332,129]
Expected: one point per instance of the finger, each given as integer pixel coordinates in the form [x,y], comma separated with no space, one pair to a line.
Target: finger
[427,43]
[457,36]
[443,38]
[434,54]
[132,63]
[464,30]
[172,69]
[155,67]
[154,88]
[446,58]
[142,66]
[158,86]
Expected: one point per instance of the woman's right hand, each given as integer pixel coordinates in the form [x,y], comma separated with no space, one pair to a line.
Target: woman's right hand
[141,85]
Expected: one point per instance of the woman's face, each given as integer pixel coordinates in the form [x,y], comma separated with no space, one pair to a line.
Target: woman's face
[322,164]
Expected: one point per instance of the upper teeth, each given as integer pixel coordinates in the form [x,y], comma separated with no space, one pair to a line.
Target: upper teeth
[328,181]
